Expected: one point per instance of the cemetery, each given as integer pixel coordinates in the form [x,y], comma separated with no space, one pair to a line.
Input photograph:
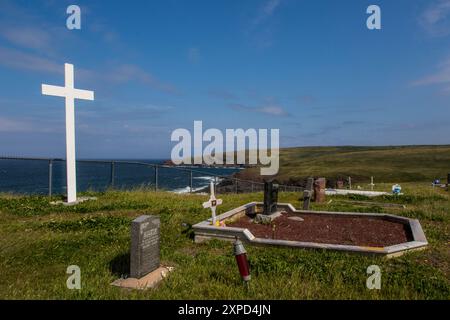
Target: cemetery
[150,244]
[329,218]
[280,224]
[143,244]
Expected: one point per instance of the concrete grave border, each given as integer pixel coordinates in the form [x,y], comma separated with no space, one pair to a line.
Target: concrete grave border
[205,231]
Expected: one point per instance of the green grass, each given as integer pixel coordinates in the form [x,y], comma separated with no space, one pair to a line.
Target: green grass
[387,164]
[38,241]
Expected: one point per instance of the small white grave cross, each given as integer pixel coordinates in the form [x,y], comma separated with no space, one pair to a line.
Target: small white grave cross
[70,93]
[371,183]
[212,203]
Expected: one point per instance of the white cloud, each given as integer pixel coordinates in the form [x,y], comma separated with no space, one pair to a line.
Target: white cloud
[436,18]
[440,77]
[130,72]
[261,27]
[27,125]
[16,59]
[27,37]
[272,110]
[266,11]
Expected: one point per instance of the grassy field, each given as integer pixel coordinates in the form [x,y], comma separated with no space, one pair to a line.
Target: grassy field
[39,241]
[386,164]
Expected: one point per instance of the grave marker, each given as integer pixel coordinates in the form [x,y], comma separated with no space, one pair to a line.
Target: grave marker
[270,196]
[212,203]
[70,94]
[371,183]
[319,190]
[307,193]
[145,240]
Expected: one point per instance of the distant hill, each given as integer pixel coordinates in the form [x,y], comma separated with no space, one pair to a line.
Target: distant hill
[386,164]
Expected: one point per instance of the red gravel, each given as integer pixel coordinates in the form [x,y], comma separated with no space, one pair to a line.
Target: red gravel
[332,229]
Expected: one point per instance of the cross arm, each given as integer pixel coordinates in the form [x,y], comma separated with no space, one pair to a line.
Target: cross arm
[83,94]
[54,90]
[206,204]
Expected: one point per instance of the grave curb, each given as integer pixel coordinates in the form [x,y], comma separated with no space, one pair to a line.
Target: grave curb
[205,231]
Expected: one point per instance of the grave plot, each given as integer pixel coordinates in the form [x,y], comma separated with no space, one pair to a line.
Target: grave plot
[280,224]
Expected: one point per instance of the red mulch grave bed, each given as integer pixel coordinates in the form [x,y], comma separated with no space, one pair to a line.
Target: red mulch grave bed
[331,229]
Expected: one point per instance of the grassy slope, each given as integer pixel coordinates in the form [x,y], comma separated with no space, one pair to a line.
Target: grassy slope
[387,164]
[38,241]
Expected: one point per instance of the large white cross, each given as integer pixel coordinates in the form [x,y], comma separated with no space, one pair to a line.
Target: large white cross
[70,93]
[212,203]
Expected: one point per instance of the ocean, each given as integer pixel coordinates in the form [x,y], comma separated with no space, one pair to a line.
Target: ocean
[31,176]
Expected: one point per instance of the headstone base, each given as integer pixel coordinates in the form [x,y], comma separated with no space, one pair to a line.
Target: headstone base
[267,218]
[79,200]
[148,281]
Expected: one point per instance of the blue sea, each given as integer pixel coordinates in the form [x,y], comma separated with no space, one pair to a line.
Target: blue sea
[32,176]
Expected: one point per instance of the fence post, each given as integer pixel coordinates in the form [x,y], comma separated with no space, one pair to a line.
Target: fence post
[252,186]
[236,180]
[50,177]
[156,178]
[191,184]
[215,184]
[113,169]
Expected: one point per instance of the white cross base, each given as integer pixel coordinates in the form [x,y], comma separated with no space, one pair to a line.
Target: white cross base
[212,203]
[70,93]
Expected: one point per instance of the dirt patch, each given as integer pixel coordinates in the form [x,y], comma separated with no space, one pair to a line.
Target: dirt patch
[332,229]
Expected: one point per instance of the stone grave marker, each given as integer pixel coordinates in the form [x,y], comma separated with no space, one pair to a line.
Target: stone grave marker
[270,203]
[307,193]
[145,270]
[270,196]
[144,256]
[319,190]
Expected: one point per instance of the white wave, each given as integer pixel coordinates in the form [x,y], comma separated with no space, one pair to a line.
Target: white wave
[188,189]
[207,178]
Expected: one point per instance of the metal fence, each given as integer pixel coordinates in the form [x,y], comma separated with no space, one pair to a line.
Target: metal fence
[47,176]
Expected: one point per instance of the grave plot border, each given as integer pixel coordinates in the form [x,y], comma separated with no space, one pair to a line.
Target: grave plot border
[205,231]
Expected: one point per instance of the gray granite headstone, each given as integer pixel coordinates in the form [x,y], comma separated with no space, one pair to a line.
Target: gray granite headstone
[144,257]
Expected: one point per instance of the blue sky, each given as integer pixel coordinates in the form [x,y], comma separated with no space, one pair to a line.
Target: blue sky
[310,68]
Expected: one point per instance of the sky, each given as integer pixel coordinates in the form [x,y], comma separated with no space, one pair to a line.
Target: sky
[309,68]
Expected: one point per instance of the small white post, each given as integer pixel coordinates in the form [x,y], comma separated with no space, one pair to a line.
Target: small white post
[371,183]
